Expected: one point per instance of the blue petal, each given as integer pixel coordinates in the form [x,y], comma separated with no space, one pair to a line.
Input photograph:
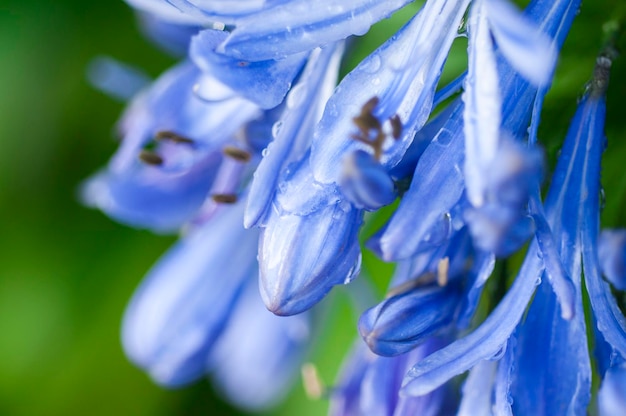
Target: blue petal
[294,26]
[294,130]
[611,396]
[345,396]
[181,308]
[255,348]
[369,385]
[264,82]
[403,321]
[485,342]
[171,37]
[403,74]
[553,373]
[612,256]
[482,267]
[483,104]
[365,183]
[476,399]
[171,11]
[555,271]
[529,50]
[302,257]
[115,78]
[422,219]
[148,197]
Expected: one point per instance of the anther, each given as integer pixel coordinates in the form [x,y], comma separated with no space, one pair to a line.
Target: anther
[150,158]
[396,127]
[238,154]
[172,137]
[224,198]
[442,271]
[421,280]
[311,381]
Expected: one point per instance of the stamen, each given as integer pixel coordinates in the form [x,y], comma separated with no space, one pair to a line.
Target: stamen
[442,271]
[421,280]
[150,158]
[172,137]
[238,154]
[396,127]
[224,198]
[313,385]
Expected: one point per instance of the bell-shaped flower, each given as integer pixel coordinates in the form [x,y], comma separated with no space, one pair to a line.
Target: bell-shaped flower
[179,311]
[258,356]
[369,385]
[171,148]
[302,254]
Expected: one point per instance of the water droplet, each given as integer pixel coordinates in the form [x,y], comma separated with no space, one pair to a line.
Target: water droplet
[296,96]
[372,64]
[276,128]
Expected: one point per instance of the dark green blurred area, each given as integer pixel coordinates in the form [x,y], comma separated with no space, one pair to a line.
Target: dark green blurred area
[66,272]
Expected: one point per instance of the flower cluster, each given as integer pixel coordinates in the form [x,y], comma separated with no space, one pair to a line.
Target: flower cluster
[268,165]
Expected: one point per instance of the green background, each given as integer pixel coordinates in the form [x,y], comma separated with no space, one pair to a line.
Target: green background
[66,272]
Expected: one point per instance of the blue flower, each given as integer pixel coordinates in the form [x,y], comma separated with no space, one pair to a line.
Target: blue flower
[269,168]
[547,350]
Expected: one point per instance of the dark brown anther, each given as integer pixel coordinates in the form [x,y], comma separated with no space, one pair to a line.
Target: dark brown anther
[150,158]
[369,106]
[224,198]
[172,137]
[238,154]
[396,127]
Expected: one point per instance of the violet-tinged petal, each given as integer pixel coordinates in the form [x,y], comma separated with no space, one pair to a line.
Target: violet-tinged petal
[483,107]
[612,256]
[612,393]
[293,132]
[485,342]
[295,26]
[258,356]
[529,50]
[115,78]
[264,82]
[302,257]
[180,309]
[149,197]
[173,38]
[365,183]
[552,368]
[403,321]
[403,75]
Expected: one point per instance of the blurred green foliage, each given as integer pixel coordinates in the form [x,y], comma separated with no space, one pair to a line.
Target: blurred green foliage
[66,272]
